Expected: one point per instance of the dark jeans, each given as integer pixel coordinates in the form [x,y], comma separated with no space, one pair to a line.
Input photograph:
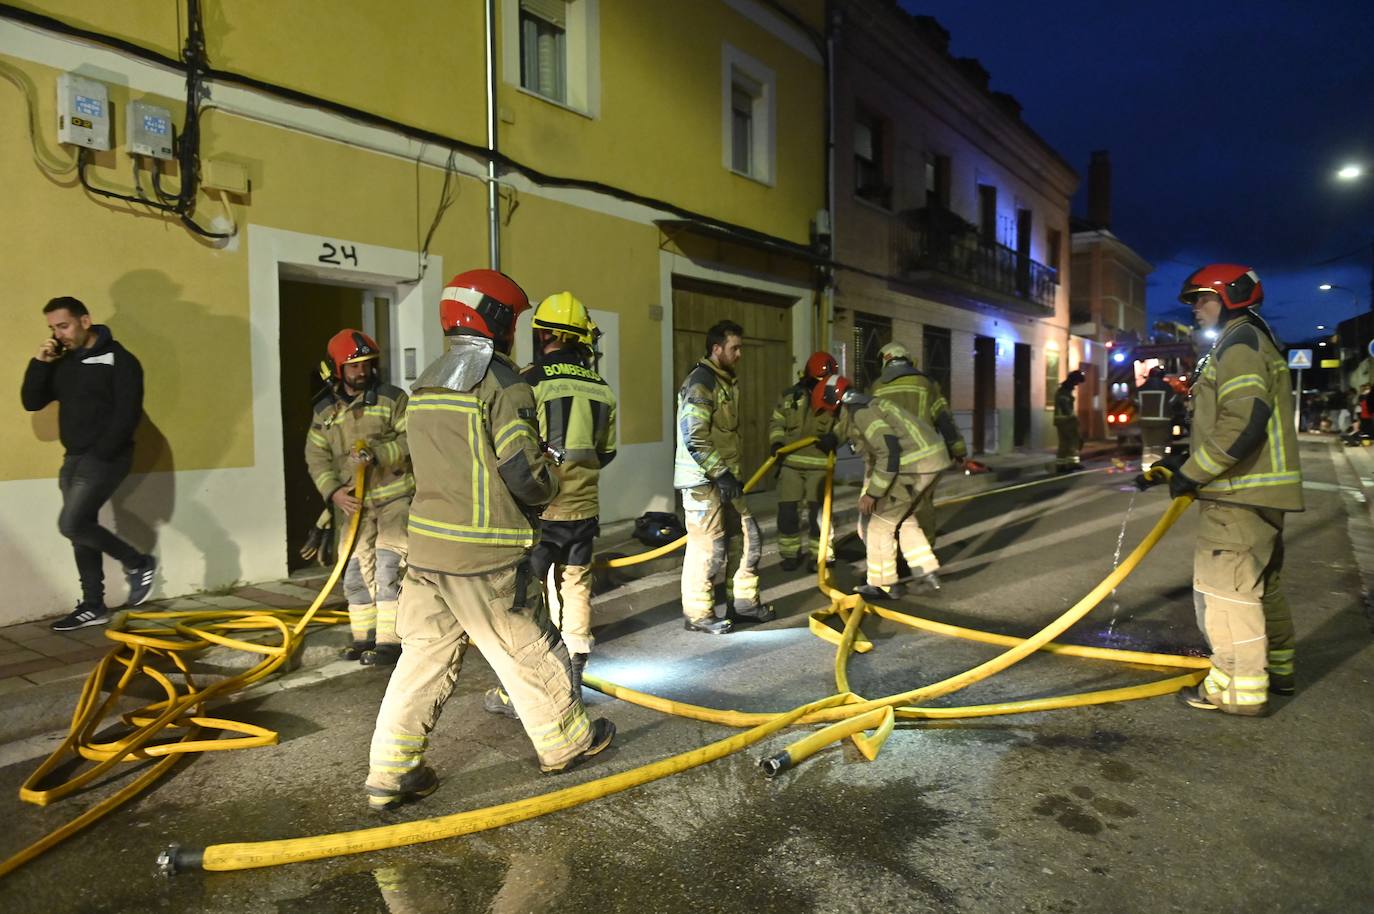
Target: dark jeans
[87,482]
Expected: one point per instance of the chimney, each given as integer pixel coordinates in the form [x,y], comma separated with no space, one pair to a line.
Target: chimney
[1100,190]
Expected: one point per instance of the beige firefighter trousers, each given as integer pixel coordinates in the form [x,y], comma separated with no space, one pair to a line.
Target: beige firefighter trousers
[372,579]
[439,615]
[1240,608]
[894,521]
[720,537]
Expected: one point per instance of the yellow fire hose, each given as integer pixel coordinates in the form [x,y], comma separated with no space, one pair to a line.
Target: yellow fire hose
[849,715]
[135,650]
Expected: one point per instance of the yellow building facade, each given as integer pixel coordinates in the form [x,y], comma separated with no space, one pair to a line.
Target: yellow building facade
[665,162]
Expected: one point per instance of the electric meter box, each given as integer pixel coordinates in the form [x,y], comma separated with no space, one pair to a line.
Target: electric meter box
[83,112]
[150,130]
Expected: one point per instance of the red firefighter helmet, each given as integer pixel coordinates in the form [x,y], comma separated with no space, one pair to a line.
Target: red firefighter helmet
[349,346]
[486,302]
[821,365]
[828,395]
[1238,286]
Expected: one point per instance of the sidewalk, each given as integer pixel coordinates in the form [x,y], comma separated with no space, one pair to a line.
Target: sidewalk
[40,665]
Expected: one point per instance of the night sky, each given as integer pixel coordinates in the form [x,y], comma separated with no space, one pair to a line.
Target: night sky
[1225,122]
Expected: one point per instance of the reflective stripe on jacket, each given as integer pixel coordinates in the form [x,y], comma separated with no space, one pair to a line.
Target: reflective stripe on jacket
[919,394]
[892,442]
[337,426]
[793,419]
[707,426]
[1243,444]
[577,416]
[480,475]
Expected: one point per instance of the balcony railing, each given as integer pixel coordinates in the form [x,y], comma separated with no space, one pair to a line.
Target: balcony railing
[931,241]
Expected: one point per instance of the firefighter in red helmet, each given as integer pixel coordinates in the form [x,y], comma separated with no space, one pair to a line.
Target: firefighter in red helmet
[359,420]
[1243,468]
[802,474]
[481,480]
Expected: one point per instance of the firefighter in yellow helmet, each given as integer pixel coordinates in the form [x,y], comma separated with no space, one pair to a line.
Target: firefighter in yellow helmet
[481,480]
[802,474]
[1243,467]
[356,407]
[576,420]
[902,455]
[919,395]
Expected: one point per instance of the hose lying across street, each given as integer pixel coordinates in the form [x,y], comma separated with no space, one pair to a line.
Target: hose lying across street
[867,722]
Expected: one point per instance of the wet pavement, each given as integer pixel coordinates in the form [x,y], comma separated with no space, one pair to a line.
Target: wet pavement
[1129,806]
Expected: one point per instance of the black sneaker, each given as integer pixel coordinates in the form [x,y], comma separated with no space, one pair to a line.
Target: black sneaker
[603,731]
[140,580]
[83,616]
[415,785]
[710,625]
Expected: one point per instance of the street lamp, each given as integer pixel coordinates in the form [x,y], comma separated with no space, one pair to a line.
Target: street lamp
[1354,298]
[1350,172]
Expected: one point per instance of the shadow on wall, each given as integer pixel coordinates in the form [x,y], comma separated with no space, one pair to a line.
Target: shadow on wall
[176,341]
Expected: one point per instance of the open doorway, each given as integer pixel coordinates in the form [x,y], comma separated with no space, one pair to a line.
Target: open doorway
[984,395]
[311,313]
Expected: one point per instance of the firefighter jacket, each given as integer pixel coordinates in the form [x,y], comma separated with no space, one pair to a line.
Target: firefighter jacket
[376,416]
[707,426]
[1243,446]
[481,477]
[892,442]
[1064,408]
[577,416]
[919,394]
[794,419]
[1146,413]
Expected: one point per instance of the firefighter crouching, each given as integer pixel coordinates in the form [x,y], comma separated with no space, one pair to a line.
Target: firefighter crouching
[919,395]
[481,480]
[577,419]
[1243,468]
[706,469]
[802,474]
[356,407]
[902,456]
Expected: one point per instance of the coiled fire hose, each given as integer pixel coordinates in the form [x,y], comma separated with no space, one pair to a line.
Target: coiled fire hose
[849,716]
[171,638]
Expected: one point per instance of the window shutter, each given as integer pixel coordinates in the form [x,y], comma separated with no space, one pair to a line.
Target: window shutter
[554,11]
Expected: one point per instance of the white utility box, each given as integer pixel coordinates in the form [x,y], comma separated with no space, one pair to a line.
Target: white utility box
[83,112]
[150,130]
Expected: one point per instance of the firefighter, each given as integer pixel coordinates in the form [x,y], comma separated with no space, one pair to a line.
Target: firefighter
[577,420]
[802,474]
[1155,400]
[481,480]
[1243,469]
[902,455]
[706,469]
[919,394]
[1066,424]
[359,420]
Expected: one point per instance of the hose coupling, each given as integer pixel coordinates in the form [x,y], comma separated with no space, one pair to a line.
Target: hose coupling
[775,765]
[173,860]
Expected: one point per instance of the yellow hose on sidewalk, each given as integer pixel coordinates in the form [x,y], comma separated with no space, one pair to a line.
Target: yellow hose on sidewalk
[133,650]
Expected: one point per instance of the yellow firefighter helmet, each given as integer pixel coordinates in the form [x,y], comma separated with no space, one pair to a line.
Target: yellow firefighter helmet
[563,315]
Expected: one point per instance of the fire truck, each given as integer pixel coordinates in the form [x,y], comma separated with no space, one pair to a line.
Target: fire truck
[1128,366]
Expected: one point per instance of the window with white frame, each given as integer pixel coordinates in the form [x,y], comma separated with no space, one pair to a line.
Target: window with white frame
[550,48]
[749,119]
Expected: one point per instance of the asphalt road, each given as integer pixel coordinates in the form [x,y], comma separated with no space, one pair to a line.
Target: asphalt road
[1140,806]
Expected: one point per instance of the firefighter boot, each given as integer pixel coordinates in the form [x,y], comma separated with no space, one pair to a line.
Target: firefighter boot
[356,649]
[381,655]
[496,701]
[414,785]
[603,731]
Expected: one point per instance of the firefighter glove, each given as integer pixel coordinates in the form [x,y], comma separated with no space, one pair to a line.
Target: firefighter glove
[1180,485]
[827,443]
[774,448]
[728,487]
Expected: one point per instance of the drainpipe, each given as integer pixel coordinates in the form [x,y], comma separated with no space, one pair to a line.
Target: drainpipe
[493,197]
[825,328]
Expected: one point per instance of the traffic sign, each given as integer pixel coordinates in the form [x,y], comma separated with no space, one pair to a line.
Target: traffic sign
[1370,349]
[1300,358]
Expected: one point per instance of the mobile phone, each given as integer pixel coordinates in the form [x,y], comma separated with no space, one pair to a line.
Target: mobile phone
[58,349]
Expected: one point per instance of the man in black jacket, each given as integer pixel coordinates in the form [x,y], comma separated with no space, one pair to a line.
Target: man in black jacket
[98,385]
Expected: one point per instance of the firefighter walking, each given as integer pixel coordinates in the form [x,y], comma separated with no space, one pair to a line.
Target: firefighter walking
[1243,469]
[902,456]
[919,395]
[721,533]
[359,420]
[576,420]
[1066,424]
[801,477]
[481,480]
